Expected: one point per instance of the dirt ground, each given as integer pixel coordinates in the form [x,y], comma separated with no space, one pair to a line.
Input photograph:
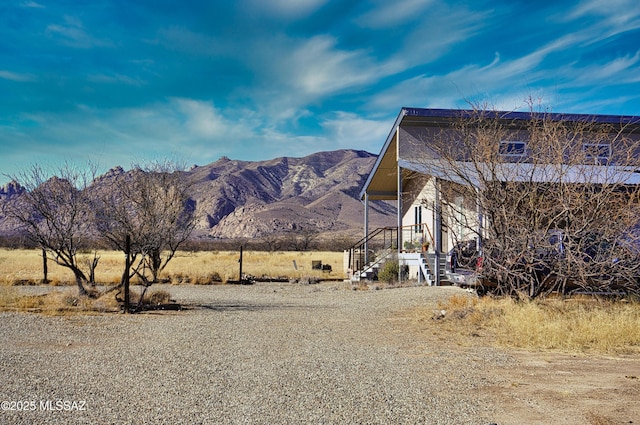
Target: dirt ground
[541,387]
[551,388]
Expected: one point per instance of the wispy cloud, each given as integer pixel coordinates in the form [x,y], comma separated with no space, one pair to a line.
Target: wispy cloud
[73,34]
[435,33]
[32,4]
[288,9]
[14,76]
[387,14]
[350,130]
[620,70]
[318,67]
[115,79]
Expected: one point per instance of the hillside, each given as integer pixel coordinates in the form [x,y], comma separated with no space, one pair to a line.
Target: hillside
[315,193]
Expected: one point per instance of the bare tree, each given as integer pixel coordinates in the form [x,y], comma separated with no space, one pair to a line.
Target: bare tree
[550,201]
[55,212]
[152,206]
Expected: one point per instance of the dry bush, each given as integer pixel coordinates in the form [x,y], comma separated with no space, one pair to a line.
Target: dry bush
[60,302]
[156,297]
[211,278]
[574,325]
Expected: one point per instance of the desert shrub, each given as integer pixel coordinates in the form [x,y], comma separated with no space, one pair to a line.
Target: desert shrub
[59,302]
[389,271]
[152,297]
[157,297]
[179,278]
[208,279]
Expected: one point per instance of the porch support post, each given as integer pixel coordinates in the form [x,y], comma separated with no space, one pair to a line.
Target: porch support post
[366,228]
[399,232]
[438,231]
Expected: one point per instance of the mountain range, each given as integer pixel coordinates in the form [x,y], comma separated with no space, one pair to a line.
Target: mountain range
[255,199]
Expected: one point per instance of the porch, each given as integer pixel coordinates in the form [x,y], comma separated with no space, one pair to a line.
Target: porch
[365,259]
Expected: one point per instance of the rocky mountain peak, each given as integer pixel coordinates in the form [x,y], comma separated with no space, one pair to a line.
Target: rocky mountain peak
[11,189]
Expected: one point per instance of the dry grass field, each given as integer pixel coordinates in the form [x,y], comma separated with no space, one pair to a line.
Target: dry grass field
[579,325]
[25,266]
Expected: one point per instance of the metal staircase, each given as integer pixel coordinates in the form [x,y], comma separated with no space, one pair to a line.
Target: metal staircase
[367,256]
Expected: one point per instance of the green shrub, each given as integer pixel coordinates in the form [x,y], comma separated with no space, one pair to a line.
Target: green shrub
[389,271]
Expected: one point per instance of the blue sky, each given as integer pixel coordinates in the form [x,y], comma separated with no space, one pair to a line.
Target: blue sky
[117,82]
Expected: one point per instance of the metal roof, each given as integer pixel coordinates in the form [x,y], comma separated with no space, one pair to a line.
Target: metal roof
[436,115]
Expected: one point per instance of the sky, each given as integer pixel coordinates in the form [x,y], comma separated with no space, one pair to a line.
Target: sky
[120,82]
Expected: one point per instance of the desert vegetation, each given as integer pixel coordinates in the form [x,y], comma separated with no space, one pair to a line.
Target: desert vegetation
[144,213]
[577,325]
[24,266]
[65,300]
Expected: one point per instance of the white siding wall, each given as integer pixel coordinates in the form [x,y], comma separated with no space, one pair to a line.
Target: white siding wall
[457,232]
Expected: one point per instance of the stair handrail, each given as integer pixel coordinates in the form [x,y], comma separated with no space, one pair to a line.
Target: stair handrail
[365,242]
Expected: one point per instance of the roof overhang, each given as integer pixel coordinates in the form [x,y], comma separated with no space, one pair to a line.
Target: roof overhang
[475,174]
[381,184]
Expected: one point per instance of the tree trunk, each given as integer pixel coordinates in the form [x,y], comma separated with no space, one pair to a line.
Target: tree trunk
[45,269]
[82,291]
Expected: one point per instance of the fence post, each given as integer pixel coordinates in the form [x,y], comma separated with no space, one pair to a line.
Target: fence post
[240,261]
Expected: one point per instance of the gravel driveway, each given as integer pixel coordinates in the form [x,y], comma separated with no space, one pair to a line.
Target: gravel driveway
[268,353]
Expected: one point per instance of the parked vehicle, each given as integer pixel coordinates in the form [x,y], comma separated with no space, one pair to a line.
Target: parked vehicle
[463,263]
[605,267]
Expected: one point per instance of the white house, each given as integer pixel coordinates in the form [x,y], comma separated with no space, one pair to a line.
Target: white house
[411,173]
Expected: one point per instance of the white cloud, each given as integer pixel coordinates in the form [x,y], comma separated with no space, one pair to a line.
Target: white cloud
[391,13]
[32,4]
[351,131]
[115,79]
[294,75]
[621,70]
[436,31]
[317,67]
[618,10]
[608,18]
[288,9]
[13,76]
[202,119]
[73,34]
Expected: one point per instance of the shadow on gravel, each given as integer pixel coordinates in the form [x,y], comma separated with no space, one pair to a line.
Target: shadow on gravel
[246,307]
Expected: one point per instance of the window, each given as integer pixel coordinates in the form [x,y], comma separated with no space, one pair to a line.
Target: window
[512,148]
[597,151]
[417,218]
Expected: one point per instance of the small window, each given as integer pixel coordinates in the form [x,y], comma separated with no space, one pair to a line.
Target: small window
[512,148]
[598,151]
[417,213]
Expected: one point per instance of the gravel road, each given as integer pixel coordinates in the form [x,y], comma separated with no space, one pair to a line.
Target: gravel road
[268,353]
